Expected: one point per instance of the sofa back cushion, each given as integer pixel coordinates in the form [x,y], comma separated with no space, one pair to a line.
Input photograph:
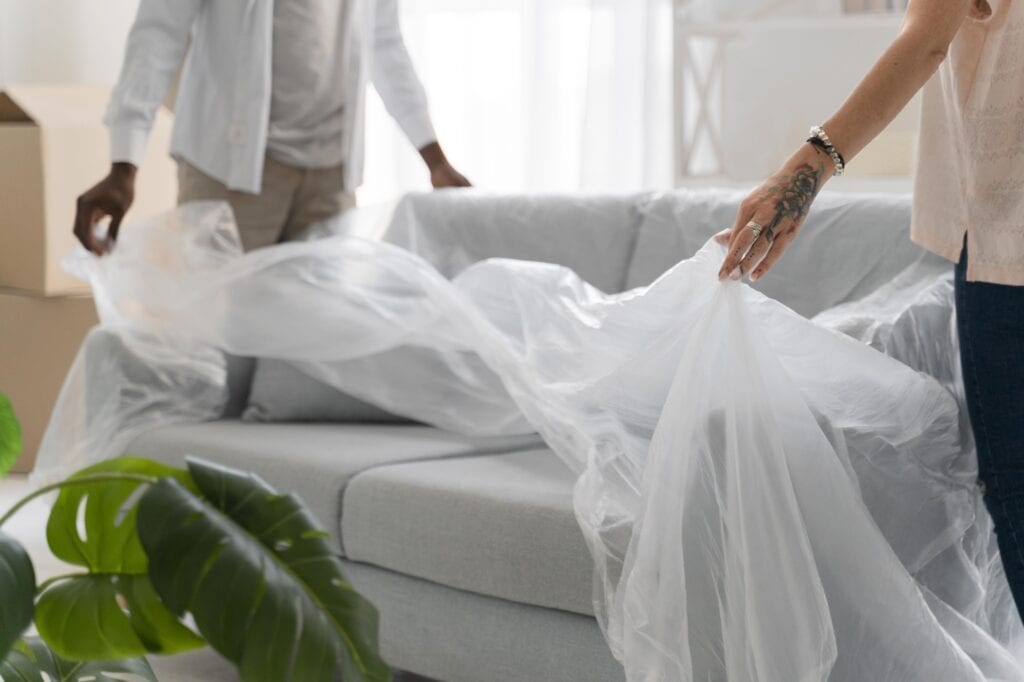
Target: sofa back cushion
[281,392]
[849,245]
[592,235]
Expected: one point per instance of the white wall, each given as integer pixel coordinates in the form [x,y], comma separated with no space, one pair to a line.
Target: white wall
[777,77]
[63,41]
[784,77]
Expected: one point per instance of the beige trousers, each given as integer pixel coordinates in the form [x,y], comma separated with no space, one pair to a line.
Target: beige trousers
[291,199]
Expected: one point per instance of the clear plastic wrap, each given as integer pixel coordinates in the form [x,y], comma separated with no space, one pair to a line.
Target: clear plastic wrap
[765,499]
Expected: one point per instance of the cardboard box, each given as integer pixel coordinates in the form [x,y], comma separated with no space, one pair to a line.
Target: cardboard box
[39,337]
[53,147]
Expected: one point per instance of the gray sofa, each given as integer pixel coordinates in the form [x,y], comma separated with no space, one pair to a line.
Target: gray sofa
[469,546]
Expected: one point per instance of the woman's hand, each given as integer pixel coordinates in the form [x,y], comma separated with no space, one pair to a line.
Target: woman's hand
[770,218]
[779,206]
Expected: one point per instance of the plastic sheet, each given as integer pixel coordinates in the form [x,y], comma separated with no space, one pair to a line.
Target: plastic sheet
[765,498]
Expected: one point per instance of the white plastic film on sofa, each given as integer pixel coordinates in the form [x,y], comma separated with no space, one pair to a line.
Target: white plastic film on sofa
[715,433]
[849,245]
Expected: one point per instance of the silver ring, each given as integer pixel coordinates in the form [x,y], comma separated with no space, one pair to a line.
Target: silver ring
[756,228]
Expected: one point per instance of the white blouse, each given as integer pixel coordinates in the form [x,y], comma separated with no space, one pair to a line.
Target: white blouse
[970,174]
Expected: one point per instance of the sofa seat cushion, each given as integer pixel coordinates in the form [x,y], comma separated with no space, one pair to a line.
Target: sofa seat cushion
[316,461]
[501,526]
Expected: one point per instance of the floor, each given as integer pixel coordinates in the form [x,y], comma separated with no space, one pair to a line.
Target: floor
[29,528]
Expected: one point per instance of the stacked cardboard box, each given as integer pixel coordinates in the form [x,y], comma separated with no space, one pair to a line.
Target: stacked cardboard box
[53,147]
[39,337]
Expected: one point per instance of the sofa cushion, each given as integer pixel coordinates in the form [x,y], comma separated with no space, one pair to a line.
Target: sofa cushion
[854,243]
[502,526]
[592,235]
[314,460]
[281,392]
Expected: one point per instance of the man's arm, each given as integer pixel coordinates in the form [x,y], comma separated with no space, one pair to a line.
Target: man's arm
[156,46]
[404,98]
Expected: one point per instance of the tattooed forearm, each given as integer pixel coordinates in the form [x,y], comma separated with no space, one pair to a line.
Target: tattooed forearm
[794,193]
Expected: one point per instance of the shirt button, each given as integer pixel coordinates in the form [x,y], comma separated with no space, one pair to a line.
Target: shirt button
[236,135]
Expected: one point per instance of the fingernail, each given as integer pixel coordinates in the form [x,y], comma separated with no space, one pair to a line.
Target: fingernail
[754,277]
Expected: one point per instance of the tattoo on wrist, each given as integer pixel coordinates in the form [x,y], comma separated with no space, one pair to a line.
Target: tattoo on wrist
[794,193]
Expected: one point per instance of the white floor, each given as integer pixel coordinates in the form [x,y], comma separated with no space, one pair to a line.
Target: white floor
[29,527]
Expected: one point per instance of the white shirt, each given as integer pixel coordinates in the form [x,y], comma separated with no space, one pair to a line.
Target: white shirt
[307,83]
[222,114]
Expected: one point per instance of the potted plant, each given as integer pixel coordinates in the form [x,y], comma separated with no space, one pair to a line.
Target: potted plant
[172,560]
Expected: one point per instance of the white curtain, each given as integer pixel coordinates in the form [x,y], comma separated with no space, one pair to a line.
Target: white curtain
[536,95]
[548,95]
[543,95]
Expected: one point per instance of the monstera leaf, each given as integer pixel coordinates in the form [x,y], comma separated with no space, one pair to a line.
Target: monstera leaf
[259,578]
[17,588]
[113,612]
[107,542]
[108,617]
[10,435]
[32,661]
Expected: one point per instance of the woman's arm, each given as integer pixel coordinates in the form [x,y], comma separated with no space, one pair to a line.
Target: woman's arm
[780,205]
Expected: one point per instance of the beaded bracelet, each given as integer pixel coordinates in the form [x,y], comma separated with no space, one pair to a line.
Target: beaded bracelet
[819,138]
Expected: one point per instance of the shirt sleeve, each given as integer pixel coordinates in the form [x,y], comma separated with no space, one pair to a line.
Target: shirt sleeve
[156,46]
[395,78]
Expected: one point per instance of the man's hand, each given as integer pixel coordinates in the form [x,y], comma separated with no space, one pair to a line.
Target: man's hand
[446,176]
[112,196]
[442,173]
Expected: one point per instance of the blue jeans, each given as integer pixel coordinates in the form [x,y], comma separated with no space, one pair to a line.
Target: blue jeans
[990,322]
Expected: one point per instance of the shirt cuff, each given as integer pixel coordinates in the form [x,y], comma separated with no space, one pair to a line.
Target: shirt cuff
[419,129]
[128,143]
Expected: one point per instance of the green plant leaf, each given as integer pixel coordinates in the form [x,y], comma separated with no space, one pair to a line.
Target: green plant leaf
[81,618]
[258,576]
[31,658]
[113,612]
[17,592]
[10,435]
[110,543]
[158,629]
